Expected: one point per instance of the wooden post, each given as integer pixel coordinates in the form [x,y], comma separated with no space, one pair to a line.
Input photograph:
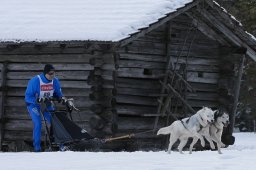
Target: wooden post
[2,99]
[236,94]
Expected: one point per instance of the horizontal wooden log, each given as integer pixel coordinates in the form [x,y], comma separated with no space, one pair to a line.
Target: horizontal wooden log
[141,57]
[139,92]
[212,96]
[137,100]
[195,61]
[17,135]
[139,73]
[135,83]
[149,101]
[192,65]
[64,84]
[39,67]
[141,50]
[67,92]
[211,78]
[21,125]
[123,109]
[204,87]
[19,113]
[44,50]
[140,64]
[45,58]
[19,101]
[138,123]
[62,75]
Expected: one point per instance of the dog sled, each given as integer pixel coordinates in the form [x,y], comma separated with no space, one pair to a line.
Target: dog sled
[64,134]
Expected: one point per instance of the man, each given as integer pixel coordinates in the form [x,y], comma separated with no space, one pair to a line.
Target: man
[41,86]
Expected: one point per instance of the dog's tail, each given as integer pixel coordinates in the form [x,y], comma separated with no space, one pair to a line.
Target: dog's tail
[164,131]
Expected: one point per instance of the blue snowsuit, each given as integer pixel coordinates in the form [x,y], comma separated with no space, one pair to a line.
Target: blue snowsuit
[34,109]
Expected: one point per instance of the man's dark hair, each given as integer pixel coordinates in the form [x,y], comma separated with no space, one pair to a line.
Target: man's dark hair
[48,68]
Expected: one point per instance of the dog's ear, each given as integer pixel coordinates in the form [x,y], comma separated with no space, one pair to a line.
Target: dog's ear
[216,114]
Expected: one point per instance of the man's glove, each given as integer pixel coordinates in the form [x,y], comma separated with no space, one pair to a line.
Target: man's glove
[42,100]
[70,104]
[63,100]
[39,100]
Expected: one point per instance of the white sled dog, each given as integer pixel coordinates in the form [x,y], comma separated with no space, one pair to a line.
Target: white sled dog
[213,132]
[188,127]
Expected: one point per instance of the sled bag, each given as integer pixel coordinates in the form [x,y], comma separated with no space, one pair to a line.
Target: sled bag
[65,130]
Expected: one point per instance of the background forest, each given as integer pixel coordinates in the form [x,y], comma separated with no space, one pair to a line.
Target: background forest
[245,12]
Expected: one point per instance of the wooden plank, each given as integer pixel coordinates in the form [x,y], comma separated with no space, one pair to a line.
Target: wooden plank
[39,67]
[44,50]
[195,61]
[147,101]
[141,57]
[137,100]
[2,102]
[21,113]
[18,135]
[62,75]
[210,78]
[124,109]
[139,73]
[211,96]
[67,92]
[138,123]
[139,92]
[200,87]
[64,84]
[140,64]
[208,31]
[19,101]
[135,83]
[55,58]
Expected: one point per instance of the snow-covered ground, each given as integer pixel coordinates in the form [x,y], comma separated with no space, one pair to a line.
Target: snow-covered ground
[240,156]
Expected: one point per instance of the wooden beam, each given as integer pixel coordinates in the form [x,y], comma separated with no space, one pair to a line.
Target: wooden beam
[2,102]
[227,32]
[236,96]
[180,97]
[157,24]
[231,22]
[205,29]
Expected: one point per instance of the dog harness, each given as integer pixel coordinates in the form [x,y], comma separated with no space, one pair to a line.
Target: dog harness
[218,129]
[184,124]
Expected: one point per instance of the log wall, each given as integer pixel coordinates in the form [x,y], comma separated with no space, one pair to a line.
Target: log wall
[19,63]
[141,66]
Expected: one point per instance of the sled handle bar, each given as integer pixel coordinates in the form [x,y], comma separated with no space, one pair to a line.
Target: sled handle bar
[69,101]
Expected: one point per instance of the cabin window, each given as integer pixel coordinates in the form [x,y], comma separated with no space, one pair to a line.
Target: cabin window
[200,74]
[147,71]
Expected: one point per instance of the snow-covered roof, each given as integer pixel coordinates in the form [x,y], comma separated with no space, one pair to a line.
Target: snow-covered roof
[64,20]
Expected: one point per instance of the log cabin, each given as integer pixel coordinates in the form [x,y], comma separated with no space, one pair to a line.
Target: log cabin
[131,66]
